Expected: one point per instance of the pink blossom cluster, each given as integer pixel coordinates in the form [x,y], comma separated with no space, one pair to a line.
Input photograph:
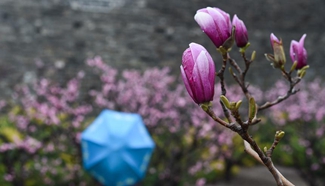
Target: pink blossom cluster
[47,102]
[29,145]
[147,94]
[48,118]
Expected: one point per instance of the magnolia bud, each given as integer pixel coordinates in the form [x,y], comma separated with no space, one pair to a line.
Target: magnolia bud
[198,73]
[215,23]
[298,52]
[241,35]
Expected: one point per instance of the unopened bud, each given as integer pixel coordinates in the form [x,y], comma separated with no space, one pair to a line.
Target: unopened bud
[252,109]
[225,101]
[253,55]
[238,103]
[232,105]
[215,23]
[279,135]
[241,35]
[278,59]
[279,55]
[197,63]
[298,53]
[265,149]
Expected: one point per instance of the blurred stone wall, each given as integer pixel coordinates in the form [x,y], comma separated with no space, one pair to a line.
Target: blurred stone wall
[141,34]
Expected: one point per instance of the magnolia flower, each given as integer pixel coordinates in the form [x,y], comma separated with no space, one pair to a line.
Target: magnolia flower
[198,73]
[215,23]
[241,36]
[278,59]
[298,52]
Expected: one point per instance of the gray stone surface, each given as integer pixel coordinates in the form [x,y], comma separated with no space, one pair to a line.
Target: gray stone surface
[141,34]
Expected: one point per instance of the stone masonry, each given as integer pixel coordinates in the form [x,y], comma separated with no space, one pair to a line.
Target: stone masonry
[140,34]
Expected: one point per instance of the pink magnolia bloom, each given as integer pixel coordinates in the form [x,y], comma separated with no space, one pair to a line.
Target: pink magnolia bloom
[241,35]
[298,52]
[215,23]
[198,73]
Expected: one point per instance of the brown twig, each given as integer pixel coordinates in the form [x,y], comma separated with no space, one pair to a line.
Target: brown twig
[269,152]
[220,73]
[210,112]
[291,91]
[226,112]
[241,80]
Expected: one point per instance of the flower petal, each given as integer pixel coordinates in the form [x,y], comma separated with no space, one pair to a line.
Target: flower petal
[241,36]
[203,90]
[196,49]
[188,63]
[186,82]
[293,50]
[302,53]
[273,39]
[208,26]
[221,23]
[298,52]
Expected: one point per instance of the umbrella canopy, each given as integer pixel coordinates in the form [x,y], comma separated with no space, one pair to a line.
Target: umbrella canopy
[116,148]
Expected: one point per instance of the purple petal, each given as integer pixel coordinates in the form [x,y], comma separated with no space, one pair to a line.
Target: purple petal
[241,36]
[304,58]
[201,81]
[196,49]
[186,82]
[207,25]
[188,62]
[202,10]
[221,23]
[226,16]
[273,39]
[294,50]
[298,52]
[302,40]
[302,53]
[212,71]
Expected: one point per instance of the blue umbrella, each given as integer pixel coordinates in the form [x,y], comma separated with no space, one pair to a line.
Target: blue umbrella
[116,148]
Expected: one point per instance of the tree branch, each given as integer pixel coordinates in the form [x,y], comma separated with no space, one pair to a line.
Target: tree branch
[251,152]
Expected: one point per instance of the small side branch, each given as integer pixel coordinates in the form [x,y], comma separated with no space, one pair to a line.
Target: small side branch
[278,100]
[220,73]
[276,141]
[290,92]
[241,79]
[251,152]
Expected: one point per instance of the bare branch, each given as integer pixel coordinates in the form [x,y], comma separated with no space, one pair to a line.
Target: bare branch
[251,152]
